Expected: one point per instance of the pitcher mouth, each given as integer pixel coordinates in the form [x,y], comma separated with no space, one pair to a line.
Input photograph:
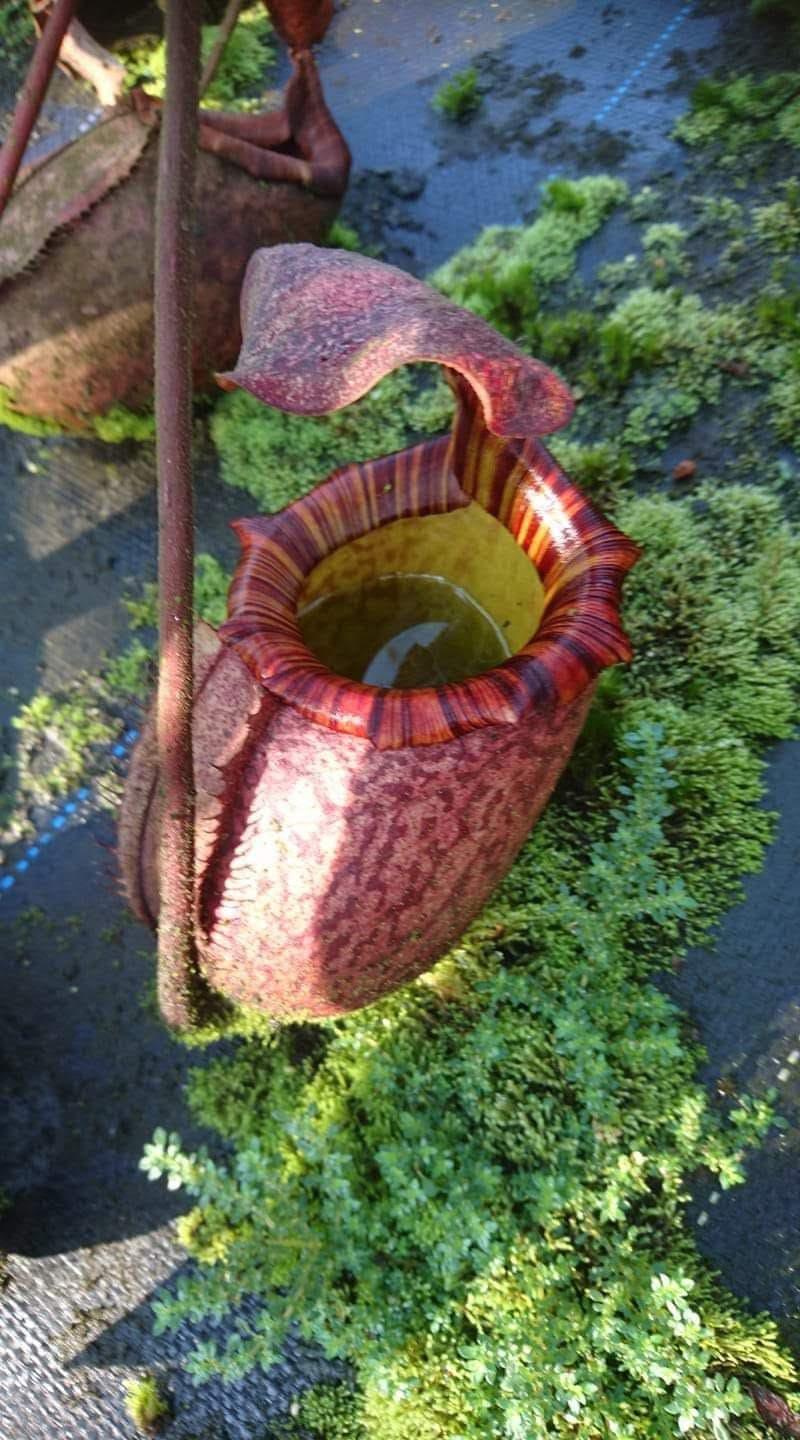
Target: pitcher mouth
[580,558]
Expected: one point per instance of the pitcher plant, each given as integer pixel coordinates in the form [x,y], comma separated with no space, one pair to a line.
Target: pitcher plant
[410,654]
[77,247]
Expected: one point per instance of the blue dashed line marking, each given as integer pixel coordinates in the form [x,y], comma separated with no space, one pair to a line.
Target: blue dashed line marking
[623,88]
[59,821]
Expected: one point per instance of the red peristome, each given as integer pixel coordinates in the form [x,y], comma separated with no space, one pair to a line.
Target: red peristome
[580,557]
[321,327]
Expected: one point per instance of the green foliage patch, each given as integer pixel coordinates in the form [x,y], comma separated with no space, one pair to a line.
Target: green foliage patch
[459,98]
[116,425]
[17,35]
[119,424]
[741,112]
[61,736]
[476,1186]
[146,1405]
[14,419]
[56,735]
[277,457]
[239,81]
[510,269]
[132,673]
[474,1191]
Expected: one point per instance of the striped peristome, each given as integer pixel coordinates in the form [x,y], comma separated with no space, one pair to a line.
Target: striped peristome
[580,557]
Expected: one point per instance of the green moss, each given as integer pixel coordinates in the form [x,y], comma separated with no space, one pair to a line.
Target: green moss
[211,583]
[664,244]
[509,270]
[17,36]
[132,673]
[116,425]
[459,98]
[777,226]
[742,112]
[25,424]
[476,1189]
[277,457]
[146,1405]
[344,237]
[326,1412]
[119,424]
[56,737]
[242,72]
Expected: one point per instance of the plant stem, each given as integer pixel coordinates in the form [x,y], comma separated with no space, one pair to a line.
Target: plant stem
[179,983]
[32,94]
[226,29]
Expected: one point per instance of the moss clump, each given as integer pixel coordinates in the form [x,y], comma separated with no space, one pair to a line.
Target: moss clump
[475,1188]
[119,424]
[664,246]
[25,424]
[459,98]
[324,1412]
[132,673]
[146,1405]
[277,457]
[240,78]
[344,237]
[62,736]
[115,426]
[57,735]
[17,35]
[742,112]
[505,275]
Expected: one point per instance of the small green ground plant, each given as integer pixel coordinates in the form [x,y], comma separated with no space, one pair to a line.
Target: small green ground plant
[62,737]
[459,98]
[146,1405]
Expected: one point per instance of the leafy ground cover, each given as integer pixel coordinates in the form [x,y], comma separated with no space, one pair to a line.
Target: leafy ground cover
[239,81]
[474,1192]
[16,42]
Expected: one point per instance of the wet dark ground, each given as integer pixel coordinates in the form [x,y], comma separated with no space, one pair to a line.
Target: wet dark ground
[570,86]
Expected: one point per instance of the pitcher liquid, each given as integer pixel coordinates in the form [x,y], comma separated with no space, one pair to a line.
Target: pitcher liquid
[403,632]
